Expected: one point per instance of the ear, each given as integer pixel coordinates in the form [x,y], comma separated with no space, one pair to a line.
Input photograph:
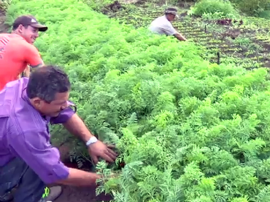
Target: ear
[37,102]
[20,28]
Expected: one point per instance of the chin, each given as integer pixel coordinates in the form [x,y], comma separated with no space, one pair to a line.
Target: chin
[54,115]
[31,41]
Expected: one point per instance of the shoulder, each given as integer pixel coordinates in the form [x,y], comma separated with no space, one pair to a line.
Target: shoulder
[24,120]
[11,92]
[15,43]
[158,19]
[163,18]
[4,35]
[27,46]
[28,127]
[20,42]
[166,21]
[162,21]
[22,115]
[31,51]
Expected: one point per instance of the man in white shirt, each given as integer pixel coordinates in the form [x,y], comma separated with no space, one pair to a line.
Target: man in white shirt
[162,25]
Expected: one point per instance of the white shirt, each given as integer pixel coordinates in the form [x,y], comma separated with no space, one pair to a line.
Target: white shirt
[162,25]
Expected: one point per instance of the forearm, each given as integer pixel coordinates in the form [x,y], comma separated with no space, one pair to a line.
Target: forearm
[34,68]
[180,37]
[29,69]
[27,72]
[76,126]
[78,177]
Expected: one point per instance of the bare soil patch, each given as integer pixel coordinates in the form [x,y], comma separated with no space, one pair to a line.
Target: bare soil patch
[81,194]
[78,194]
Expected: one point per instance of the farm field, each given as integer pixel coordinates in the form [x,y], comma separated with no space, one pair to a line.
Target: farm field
[245,43]
[187,128]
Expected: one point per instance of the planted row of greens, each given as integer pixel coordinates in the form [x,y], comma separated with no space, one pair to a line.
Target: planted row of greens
[187,130]
[247,40]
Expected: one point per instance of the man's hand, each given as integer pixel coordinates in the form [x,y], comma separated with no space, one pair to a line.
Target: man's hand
[99,149]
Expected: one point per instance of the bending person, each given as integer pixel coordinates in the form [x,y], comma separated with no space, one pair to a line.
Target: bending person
[28,162]
[162,25]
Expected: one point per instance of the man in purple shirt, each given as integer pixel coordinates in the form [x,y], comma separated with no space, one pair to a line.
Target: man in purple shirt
[28,162]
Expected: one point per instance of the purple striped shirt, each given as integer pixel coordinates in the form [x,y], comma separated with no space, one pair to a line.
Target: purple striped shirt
[25,133]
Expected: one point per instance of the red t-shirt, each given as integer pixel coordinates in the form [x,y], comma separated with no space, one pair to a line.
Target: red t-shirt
[15,54]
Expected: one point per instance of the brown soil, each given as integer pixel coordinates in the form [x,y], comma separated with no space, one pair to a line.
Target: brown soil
[78,194]
[82,194]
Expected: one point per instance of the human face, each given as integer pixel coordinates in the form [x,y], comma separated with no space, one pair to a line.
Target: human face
[53,108]
[171,17]
[29,33]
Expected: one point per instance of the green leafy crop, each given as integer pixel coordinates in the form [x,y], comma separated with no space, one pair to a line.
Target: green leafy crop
[187,130]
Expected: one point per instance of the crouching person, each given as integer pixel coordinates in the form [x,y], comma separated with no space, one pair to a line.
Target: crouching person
[163,26]
[28,161]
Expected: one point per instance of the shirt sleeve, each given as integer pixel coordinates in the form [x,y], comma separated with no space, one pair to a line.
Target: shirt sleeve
[168,29]
[34,148]
[32,56]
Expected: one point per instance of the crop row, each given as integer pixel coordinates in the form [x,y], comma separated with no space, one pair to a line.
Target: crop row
[186,129]
[196,34]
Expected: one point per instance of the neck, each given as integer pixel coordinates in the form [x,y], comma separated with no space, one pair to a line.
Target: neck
[15,32]
[167,18]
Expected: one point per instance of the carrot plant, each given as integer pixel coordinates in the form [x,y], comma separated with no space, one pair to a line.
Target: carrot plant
[187,130]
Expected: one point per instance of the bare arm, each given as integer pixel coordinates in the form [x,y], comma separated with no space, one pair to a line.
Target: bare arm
[170,30]
[78,177]
[180,37]
[27,71]
[77,127]
[33,59]
[98,149]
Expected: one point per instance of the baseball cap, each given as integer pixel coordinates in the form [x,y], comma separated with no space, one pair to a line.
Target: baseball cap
[29,20]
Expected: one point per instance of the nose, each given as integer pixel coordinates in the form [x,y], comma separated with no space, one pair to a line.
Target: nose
[64,106]
[68,104]
[72,105]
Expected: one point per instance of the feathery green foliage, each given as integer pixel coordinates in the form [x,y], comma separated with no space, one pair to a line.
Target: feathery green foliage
[187,130]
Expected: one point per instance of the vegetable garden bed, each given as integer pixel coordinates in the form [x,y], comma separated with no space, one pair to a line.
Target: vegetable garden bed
[199,30]
[187,130]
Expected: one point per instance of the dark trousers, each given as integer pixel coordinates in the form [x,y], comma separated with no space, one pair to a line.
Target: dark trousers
[20,182]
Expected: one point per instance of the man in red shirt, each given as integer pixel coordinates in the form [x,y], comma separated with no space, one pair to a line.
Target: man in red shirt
[17,50]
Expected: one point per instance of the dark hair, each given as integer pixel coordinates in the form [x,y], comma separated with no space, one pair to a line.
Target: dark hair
[20,21]
[46,81]
[15,26]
